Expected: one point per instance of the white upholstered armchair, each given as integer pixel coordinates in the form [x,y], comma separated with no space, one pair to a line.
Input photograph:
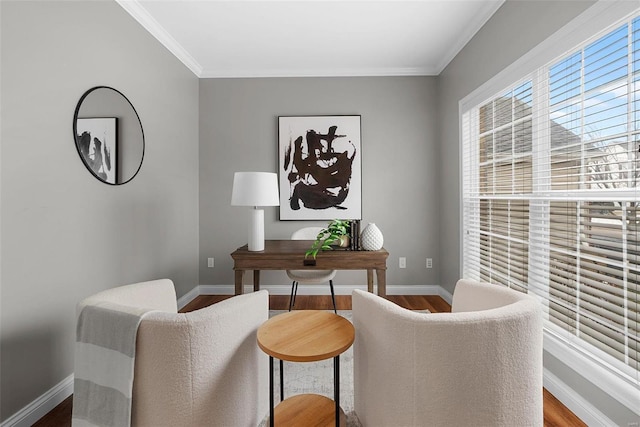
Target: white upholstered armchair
[198,368]
[480,365]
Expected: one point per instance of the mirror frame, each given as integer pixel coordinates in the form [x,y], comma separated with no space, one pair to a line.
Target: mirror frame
[75,134]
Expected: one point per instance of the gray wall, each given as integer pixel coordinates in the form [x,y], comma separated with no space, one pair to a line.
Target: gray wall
[65,235]
[512,31]
[498,44]
[400,192]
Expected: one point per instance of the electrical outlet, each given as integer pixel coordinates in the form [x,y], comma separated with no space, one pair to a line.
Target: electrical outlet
[429,262]
[402,262]
[210,263]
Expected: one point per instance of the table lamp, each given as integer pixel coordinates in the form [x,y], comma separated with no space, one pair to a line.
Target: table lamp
[255,189]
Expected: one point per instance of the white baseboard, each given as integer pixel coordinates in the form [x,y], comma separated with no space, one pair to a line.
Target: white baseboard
[40,407]
[190,296]
[583,409]
[445,295]
[316,290]
[588,367]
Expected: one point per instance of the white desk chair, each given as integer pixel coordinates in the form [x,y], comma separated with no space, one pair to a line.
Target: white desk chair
[309,276]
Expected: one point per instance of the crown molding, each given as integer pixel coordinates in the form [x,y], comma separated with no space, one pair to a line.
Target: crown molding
[465,37]
[144,18]
[140,14]
[593,21]
[355,72]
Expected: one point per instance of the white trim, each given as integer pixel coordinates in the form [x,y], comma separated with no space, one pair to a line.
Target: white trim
[315,290]
[461,228]
[40,407]
[570,398]
[190,296]
[589,23]
[445,295]
[144,18]
[481,18]
[0,173]
[623,392]
[413,290]
[311,72]
[140,14]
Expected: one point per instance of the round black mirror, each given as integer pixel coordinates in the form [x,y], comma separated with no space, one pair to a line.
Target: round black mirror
[108,135]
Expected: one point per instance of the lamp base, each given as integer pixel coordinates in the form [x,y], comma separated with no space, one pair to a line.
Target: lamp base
[256,230]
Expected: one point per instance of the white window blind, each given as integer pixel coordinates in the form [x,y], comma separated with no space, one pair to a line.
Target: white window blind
[550,185]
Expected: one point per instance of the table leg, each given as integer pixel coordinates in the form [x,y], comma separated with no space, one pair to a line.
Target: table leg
[336,387]
[370,281]
[382,282]
[256,280]
[281,380]
[271,411]
[239,276]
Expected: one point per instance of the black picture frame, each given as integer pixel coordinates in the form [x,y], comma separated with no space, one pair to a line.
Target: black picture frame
[97,143]
[320,167]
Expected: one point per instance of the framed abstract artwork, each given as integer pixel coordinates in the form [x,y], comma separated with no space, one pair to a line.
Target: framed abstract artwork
[319,160]
[97,144]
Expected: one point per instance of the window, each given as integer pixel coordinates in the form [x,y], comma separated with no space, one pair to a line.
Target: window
[551,191]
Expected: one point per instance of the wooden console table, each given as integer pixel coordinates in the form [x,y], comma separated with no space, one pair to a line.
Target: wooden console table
[289,255]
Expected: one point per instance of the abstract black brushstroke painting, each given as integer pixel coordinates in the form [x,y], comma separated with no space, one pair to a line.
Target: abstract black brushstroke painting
[320,167]
[97,145]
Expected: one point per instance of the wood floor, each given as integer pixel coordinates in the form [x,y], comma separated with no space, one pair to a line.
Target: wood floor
[555,413]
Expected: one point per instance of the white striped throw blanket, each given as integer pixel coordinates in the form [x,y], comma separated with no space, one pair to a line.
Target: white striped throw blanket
[105,356]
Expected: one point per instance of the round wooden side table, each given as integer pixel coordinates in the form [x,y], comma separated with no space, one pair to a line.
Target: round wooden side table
[306,336]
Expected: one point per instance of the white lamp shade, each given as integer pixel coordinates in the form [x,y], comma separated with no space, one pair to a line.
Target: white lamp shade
[255,189]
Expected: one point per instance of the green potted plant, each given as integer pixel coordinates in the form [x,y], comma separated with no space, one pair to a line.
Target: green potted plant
[336,234]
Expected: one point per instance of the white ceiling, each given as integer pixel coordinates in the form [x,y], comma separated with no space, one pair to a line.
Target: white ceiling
[269,38]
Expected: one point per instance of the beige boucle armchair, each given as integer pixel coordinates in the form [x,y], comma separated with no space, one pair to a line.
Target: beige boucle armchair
[201,368]
[480,365]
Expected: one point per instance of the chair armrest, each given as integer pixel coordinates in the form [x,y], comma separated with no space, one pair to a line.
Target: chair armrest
[470,295]
[154,295]
[204,365]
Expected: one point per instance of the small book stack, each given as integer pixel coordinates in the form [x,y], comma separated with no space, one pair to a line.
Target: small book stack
[354,235]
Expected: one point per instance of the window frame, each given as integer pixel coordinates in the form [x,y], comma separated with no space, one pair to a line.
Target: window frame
[597,20]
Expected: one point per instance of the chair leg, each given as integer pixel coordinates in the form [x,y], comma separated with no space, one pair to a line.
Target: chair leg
[333,297]
[292,296]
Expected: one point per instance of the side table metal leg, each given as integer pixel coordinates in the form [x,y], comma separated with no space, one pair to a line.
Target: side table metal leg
[281,380]
[336,387]
[256,280]
[271,415]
